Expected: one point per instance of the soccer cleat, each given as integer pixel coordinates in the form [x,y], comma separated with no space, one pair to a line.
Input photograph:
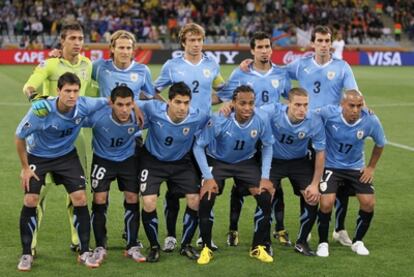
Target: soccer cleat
[323,250]
[154,254]
[74,247]
[206,256]
[99,254]
[260,253]
[232,238]
[342,237]
[88,259]
[283,237]
[199,243]
[135,254]
[25,263]
[359,248]
[124,237]
[169,244]
[269,249]
[304,249]
[189,252]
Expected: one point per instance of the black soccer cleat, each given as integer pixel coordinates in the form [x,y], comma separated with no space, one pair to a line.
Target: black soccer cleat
[304,249]
[189,252]
[269,249]
[154,254]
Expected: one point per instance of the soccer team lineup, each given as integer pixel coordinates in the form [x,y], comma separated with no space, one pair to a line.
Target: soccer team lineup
[265,130]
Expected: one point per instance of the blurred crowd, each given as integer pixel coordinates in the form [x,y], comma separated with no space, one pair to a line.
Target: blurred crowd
[36,23]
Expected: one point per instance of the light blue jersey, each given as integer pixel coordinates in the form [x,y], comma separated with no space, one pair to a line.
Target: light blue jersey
[268,87]
[112,140]
[54,135]
[201,78]
[291,140]
[345,142]
[324,83]
[137,77]
[166,140]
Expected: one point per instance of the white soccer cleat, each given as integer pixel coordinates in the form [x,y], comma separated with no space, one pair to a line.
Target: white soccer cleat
[359,248]
[169,244]
[25,263]
[88,259]
[342,237]
[323,250]
[99,254]
[135,254]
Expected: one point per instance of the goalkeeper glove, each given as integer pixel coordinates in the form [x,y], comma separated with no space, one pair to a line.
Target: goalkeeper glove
[41,107]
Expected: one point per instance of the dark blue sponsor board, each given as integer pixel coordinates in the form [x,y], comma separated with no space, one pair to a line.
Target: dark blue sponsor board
[387,58]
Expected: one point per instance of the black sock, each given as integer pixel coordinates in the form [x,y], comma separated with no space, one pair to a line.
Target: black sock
[190,223]
[82,223]
[341,207]
[262,219]
[278,205]
[98,218]
[307,219]
[150,222]
[131,221]
[206,224]
[323,226]
[28,225]
[363,222]
[236,204]
[171,208]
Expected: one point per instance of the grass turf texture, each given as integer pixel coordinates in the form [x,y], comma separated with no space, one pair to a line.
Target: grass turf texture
[390,93]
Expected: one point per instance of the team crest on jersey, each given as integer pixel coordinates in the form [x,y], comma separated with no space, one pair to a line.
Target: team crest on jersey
[323,186]
[275,83]
[143,187]
[186,131]
[78,120]
[360,134]
[331,75]
[134,77]
[207,73]
[253,133]
[131,130]
[82,74]
[301,135]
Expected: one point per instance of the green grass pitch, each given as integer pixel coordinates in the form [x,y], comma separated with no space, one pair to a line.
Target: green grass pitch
[389,92]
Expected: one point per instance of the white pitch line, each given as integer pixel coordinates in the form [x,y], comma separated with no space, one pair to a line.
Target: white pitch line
[402,146]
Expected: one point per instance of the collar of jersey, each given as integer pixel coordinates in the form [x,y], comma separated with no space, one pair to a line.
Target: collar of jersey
[54,107]
[350,125]
[257,73]
[172,122]
[285,111]
[66,62]
[324,65]
[190,63]
[245,125]
[123,70]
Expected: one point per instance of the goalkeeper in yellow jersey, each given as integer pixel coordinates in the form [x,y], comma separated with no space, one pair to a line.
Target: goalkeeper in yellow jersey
[46,74]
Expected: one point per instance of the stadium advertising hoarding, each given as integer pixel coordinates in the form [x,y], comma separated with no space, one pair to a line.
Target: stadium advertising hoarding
[376,58]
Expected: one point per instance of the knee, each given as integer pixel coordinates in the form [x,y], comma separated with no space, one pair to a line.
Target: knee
[149,203]
[326,203]
[31,200]
[368,204]
[78,198]
[131,197]
[193,201]
[100,197]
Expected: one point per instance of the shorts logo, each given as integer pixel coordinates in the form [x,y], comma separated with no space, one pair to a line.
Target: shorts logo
[253,133]
[94,183]
[27,125]
[275,83]
[143,187]
[131,130]
[323,186]
[331,75]
[78,120]
[301,135]
[360,134]
[134,77]
[186,131]
[207,73]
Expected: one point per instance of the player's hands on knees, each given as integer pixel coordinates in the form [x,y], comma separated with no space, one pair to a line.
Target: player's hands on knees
[244,65]
[41,107]
[209,186]
[25,175]
[267,185]
[55,53]
[312,194]
[367,175]
[226,108]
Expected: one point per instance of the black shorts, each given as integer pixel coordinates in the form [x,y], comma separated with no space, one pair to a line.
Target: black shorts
[299,171]
[66,170]
[246,174]
[333,179]
[104,171]
[181,175]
